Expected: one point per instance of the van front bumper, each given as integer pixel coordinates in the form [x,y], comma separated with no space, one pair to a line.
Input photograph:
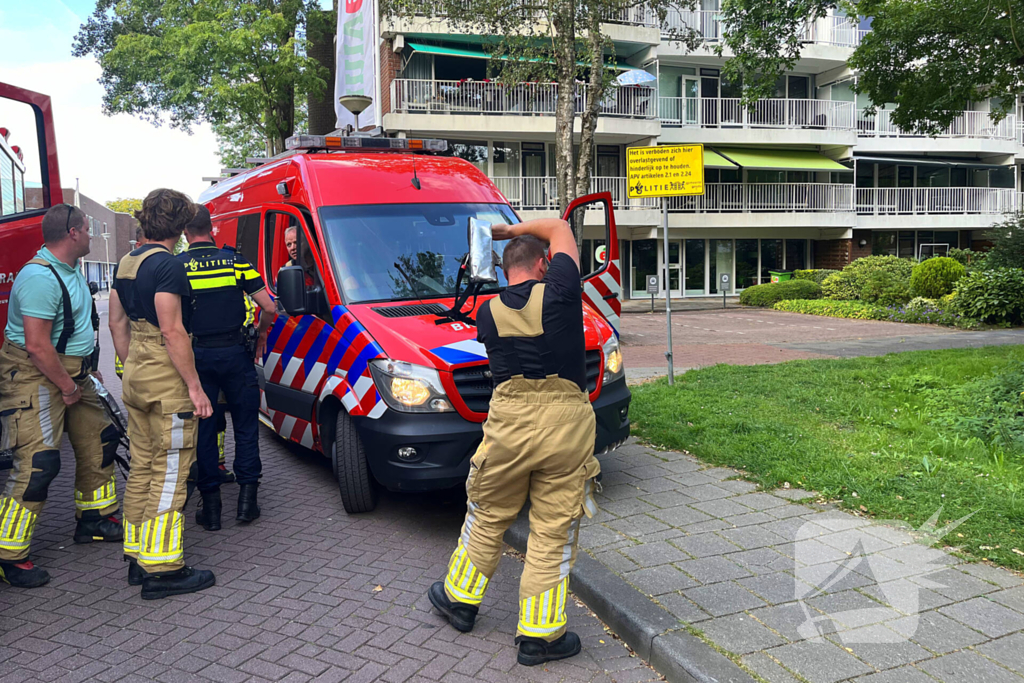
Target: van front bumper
[445,442]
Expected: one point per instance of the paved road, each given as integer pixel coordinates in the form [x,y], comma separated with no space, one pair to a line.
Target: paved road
[751,336]
[296,599]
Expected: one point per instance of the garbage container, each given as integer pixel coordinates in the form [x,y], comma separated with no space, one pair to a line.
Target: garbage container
[780,275]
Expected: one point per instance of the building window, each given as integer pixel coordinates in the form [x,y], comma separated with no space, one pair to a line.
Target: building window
[883,243]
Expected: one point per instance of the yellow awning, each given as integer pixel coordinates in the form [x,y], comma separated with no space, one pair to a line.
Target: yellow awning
[715,160]
[780,160]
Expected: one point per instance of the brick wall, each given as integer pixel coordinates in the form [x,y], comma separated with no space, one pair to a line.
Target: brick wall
[857,251]
[120,226]
[832,254]
[390,69]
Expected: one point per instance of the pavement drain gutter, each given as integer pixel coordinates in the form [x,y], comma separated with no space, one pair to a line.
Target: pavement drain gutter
[652,631]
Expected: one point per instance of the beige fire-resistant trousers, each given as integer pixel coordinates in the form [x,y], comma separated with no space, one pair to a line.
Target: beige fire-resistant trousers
[34,419]
[162,431]
[538,442]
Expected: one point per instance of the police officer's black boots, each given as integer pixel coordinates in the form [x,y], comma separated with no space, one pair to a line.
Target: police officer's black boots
[208,513]
[185,580]
[460,615]
[135,573]
[91,527]
[248,510]
[23,574]
[534,651]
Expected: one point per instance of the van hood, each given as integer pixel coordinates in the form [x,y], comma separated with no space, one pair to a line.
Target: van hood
[419,339]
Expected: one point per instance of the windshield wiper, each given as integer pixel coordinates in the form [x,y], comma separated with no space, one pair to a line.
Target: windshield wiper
[412,284]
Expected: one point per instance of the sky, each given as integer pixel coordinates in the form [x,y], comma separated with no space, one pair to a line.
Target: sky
[112,157]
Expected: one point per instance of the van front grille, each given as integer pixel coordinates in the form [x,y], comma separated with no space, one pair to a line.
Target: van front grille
[474,383]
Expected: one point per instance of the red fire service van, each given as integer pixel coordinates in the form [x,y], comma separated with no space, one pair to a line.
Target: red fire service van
[373,364]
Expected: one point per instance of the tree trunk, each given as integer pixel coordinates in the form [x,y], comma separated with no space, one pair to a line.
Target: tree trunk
[321,34]
[588,126]
[564,26]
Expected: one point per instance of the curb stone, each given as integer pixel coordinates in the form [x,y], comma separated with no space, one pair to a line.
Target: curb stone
[652,631]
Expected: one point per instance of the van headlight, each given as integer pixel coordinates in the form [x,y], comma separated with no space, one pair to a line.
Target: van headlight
[613,367]
[409,388]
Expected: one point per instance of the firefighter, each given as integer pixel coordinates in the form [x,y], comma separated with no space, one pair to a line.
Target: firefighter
[140,240]
[538,442]
[150,312]
[220,280]
[44,391]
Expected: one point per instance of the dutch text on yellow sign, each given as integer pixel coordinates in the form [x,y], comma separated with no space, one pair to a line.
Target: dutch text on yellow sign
[665,171]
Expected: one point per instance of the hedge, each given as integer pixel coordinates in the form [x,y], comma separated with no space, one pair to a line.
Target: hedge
[858,310]
[816,275]
[768,294]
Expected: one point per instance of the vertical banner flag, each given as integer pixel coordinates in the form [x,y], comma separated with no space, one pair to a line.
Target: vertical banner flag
[356,59]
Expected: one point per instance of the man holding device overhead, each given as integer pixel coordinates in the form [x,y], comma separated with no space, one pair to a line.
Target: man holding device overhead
[538,441]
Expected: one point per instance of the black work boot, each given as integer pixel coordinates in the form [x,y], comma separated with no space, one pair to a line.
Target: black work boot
[185,580]
[91,527]
[534,651]
[248,510]
[23,574]
[208,513]
[460,615]
[135,573]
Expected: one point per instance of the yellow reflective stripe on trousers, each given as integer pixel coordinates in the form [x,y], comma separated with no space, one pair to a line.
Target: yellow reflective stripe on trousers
[104,496]
[132,537]
[464,582]
[544,614]
[161,539]
[16,525]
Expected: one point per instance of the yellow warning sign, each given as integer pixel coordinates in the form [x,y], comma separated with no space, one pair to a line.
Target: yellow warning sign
[665,171]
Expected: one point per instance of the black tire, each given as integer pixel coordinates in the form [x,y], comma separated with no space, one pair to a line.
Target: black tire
[348,459]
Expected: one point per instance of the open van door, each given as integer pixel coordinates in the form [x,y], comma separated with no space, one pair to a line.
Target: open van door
[599,257]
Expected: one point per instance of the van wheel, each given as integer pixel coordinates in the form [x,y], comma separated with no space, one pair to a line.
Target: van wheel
[348,459]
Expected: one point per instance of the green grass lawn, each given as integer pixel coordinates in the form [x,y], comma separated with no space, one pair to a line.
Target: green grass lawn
[899,435]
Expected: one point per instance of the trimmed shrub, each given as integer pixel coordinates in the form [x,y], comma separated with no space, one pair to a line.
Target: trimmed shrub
[859,310]
[841,286]
[992,296]
[899,267]
[936,277]
[768,294]
[883,288]
[816,275]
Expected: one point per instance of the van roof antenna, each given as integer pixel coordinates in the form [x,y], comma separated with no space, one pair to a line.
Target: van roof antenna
[415,179]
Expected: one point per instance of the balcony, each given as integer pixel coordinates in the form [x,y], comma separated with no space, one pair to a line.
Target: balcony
[833,31]
[720,120]
[934,207]
[970,131]
[541,193]
[767,197]
[446,107]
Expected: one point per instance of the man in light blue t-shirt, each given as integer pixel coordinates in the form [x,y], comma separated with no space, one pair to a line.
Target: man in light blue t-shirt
[44,391]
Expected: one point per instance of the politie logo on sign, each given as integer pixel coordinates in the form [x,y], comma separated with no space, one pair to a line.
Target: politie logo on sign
[665,171]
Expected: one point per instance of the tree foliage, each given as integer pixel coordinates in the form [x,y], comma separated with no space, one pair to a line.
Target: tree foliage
[925,59]
[226,62]
[552,41]
[1007,240]
[125,205]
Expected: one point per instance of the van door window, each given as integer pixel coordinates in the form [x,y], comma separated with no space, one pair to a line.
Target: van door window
[247,237]
[280,231]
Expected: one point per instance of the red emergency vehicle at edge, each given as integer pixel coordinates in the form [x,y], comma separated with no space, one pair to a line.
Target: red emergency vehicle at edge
[369,372]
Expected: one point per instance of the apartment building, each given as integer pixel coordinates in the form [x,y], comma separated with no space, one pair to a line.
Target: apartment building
[803,179]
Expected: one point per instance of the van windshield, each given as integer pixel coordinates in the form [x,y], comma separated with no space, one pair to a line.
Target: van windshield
[383,252]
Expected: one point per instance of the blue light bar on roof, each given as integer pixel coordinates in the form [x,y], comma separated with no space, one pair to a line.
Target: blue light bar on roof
[353,142]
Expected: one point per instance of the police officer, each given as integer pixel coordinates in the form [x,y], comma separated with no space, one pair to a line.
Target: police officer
[45,391]
[150,311]
[538,442]
[220,280]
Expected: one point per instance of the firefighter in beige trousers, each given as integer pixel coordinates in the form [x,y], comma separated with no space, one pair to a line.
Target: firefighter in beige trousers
[149,319]
[45,390]
[538,442]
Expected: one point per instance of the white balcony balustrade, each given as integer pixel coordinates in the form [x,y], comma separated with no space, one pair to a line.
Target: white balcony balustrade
[767,197]
[936,201]
[831,30]
[967,124]
[541,193]
[531,99]
[724,112]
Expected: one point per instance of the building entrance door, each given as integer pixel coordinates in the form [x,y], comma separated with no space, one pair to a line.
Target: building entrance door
[644,257]
[694,268]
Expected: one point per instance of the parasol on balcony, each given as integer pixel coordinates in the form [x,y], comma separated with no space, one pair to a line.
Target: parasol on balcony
[635,77]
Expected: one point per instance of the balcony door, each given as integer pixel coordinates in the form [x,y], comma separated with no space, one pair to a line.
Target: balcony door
[691,95]
[535,186]
[709,100]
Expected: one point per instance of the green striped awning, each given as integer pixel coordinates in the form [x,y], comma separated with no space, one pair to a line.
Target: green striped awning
[715,160]
[480,54]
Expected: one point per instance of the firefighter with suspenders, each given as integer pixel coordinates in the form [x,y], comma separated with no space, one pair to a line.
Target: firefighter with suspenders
[150,314]
[45,390]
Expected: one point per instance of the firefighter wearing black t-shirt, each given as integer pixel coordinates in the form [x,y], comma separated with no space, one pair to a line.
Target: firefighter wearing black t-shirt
[150,310]
[221,279]
[538,442]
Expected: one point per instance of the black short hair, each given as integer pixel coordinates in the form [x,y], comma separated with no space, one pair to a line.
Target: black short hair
[59,219]
[164,214]
[201,224]
[522,253]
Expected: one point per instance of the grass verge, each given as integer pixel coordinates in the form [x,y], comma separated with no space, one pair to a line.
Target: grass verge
[895,436]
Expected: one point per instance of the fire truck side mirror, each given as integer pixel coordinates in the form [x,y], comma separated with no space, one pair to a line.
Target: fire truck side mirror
[291,290]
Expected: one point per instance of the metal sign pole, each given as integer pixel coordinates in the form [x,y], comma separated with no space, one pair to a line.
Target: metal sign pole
[668,292]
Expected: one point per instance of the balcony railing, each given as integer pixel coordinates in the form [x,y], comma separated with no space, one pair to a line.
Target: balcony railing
[839,31]
[636,16]
[771,113]
[935,200]
[967,124]
[763,197]
[533,99]
[541,193]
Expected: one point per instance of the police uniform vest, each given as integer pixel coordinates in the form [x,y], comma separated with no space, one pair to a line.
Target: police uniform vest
[221,307]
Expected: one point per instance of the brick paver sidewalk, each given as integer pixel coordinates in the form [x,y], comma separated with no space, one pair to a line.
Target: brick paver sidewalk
[802,592]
